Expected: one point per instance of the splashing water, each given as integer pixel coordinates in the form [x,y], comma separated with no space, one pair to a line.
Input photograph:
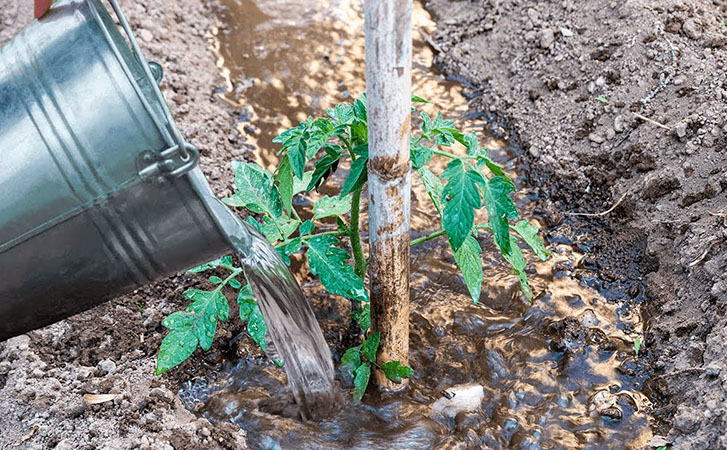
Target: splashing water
[292,326]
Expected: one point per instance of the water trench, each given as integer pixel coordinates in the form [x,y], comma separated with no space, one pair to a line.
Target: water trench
[557,373]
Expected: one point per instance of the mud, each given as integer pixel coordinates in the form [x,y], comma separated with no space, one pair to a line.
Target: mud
[111,349]
[621,108]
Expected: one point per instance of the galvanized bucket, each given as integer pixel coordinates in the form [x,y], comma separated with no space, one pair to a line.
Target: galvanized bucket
[99,192]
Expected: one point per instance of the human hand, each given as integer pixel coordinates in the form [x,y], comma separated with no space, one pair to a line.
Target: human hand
[41,7]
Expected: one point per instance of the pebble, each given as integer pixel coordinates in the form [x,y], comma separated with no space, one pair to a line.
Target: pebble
[689,27]
[566,32]
[106,366]
[597,138]
[466,397]
[547,37]
[146,35]
[681,129]
[619,124]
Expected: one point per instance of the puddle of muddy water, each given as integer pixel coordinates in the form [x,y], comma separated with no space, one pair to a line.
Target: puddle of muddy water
[555,373]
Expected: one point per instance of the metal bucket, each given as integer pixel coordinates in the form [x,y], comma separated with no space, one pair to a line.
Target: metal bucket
[99,192]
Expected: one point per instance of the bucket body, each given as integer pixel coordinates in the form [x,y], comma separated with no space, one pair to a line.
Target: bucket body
[98,194]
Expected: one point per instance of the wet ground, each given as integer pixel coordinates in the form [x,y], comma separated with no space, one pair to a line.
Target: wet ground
[560,373]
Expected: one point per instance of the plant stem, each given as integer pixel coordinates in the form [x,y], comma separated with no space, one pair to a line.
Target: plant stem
[360,261]
[426,238]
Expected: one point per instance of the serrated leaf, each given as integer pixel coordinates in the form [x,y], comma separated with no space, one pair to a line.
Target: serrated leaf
[394,371]
[223,308]
[331,207]
[257,327]
[254,189]
[246,301]
[226,260]
[176,347]
[529,233]
[178,320]
[272,228]
[361,381]
[342,113]
[363,317]
[356,177]
[434,187]
[324,167]
[296,155]
[284,176]
[468,260]
[359,133]
[426,124]
[518,263]
[370,346]
[420,155]
[461,197]
[306,228]
[359,108]
[328,262]
[351,360]
[299,185]
[500,208]
[319,135]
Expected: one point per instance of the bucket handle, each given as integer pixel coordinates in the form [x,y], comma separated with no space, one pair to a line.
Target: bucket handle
[181,156]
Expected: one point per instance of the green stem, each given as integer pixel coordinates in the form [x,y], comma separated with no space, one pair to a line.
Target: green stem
[426,238]
[348,146]
[360,261]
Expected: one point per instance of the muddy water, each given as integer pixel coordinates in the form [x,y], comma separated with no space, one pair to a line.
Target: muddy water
[554,374]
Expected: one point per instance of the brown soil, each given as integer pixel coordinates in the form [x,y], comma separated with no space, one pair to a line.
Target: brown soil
[112,348]
[543,65]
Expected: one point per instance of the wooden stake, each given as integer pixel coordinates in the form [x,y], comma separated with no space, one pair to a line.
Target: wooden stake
[388,28]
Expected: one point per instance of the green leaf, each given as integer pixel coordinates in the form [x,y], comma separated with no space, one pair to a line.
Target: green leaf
[500,208]
[342,114]
[329,263]
[179,320]
[359,108]
[234,284]
[215,280]
[420,155]
[370,346]
[426,124]
[296,155]
[225,260]
[434,187]
[307,227]
[272,228]
[324,167]
[223,308]
[417,99]
[291,247]
[461,198]
[284,176]
[351,360]
[529,233]
[469,262]
[394,371]
[300,185]
[361,381]
[603,100]
[176,347]
[356,177]
[257,327]
[246,300]
[255,224]
[637,345]
[321,131]
[363,317]
[518,263]
[255,190]
[205,305]
[331,207]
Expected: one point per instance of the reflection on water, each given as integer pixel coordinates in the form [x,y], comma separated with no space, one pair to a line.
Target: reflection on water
[555,374]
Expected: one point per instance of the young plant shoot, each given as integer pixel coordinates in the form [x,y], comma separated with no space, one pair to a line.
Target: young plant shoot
[311,152]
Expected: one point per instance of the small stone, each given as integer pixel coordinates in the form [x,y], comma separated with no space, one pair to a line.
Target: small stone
[658,441]
[680,129]
[205,432]
[687,419]
[597,138]
[566,32]
[467,397]
[678,81]
[619,124]
[162,394]
[146,35]
[610,134]
[547,37]
[533,15]
[690,29]
[106,366]
[65,444]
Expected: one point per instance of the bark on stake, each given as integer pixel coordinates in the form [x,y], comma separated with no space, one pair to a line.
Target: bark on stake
[388,90]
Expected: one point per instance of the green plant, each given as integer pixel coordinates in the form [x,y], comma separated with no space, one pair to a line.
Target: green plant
[637,345]
[473,180]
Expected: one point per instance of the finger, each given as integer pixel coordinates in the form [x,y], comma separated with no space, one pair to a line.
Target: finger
[41,7]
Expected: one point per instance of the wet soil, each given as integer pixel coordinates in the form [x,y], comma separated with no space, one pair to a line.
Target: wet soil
[623,104]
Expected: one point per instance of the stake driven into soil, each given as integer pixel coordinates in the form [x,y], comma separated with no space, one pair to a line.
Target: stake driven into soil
[388,26]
